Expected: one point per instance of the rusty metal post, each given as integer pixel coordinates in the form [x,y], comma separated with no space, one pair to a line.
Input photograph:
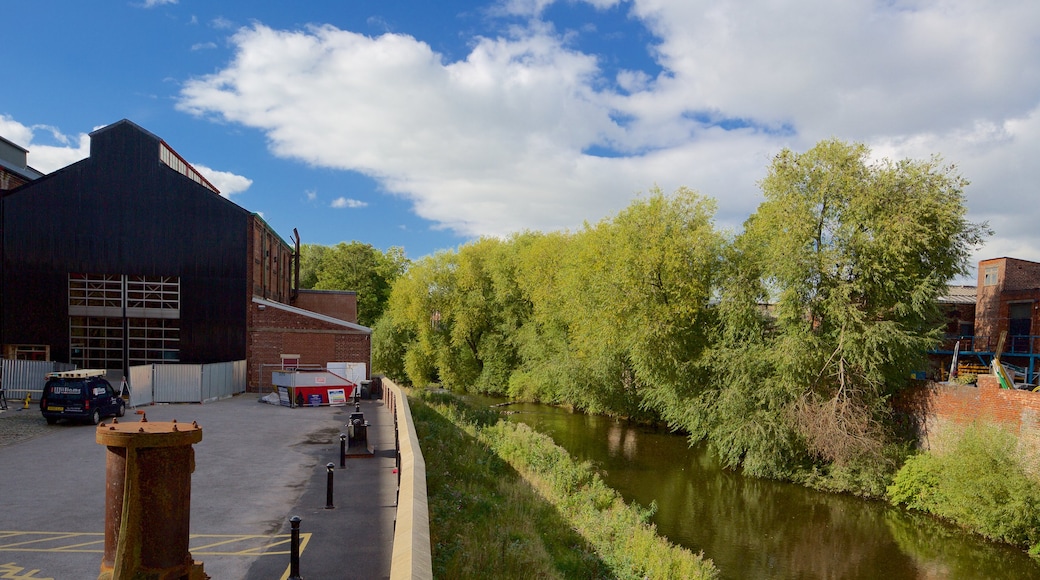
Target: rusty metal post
[294,548]
[328,487]
[148,471]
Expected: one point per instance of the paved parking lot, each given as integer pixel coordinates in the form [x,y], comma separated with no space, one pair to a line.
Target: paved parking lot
[256,466]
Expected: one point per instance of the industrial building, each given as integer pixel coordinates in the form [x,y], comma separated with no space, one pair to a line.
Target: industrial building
[132,257]
[1006,302]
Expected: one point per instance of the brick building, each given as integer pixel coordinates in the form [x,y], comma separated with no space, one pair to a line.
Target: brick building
[1008,299]
[1005,301]
[132,257]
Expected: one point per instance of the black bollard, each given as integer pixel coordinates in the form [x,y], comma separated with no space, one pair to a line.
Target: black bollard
[342,449]
[294,547]
[328,488]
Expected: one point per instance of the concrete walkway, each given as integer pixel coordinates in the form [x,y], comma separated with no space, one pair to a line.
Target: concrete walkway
[256,466]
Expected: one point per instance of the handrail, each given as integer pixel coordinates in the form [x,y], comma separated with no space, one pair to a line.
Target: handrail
[412,556]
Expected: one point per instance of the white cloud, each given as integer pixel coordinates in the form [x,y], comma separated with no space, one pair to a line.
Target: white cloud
[344,202]
[154,3]
[226,182]
[203,46]
[500,140]
[45,158]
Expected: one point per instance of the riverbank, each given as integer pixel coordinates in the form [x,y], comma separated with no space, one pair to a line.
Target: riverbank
[508,502]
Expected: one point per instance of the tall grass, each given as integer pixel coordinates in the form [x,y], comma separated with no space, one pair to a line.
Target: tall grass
[978,483]
[507,502]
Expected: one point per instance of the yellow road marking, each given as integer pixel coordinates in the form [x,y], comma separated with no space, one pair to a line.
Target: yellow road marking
[198,544]
[303,545]
[14,572]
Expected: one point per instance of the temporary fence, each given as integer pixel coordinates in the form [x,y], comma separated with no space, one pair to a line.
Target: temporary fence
[19,378]
[196,383]
[151,383]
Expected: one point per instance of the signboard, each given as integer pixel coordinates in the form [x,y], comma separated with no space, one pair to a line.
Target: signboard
[314,400]
[337,397]
[283,397]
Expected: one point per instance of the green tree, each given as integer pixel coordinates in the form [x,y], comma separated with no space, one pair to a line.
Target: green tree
[358,267]
[311,256]
[855,254]
[390,344]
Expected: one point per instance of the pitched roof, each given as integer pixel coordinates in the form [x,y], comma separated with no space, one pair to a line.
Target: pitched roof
[959,295]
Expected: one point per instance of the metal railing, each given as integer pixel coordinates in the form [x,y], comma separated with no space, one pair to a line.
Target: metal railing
[1014,344]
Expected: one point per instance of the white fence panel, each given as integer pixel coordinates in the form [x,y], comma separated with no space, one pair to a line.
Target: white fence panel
[241,377]
[26,377]
[178,383]
[218,381]
[141,385]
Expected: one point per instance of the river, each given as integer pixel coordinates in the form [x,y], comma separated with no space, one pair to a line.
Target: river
[753,528]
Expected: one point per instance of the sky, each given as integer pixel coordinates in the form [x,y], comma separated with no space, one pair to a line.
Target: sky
[427,124]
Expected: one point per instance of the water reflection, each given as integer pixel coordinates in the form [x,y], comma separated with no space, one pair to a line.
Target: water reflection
[763,529]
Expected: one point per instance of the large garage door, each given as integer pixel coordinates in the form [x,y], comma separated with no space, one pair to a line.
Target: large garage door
[117,321]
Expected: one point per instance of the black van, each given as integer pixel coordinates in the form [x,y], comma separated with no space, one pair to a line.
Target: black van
[80,395]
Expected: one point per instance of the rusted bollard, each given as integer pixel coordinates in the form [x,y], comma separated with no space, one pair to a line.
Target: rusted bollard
[148,469]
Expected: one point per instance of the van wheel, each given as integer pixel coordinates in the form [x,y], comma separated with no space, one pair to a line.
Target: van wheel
[95,417]
[51,420]
[121,410]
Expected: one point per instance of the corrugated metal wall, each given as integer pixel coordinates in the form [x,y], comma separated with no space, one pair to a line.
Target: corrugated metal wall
[141,385]
[173,383]
[21,377]
[177,383]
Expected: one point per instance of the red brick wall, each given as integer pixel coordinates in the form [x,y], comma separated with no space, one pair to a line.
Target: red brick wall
[938,408]
[1017,281]
[274,332]
[270,260]
[1021,274]
[341,305]
[987,306]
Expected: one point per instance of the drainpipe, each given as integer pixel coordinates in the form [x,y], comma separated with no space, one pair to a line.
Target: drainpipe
[296,266]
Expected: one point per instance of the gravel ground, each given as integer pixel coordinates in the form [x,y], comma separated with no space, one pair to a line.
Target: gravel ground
[17,424]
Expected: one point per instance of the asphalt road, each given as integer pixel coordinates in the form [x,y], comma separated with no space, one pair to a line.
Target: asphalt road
[256,466]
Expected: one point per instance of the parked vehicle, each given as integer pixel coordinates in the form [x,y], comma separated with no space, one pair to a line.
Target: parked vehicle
[80,395]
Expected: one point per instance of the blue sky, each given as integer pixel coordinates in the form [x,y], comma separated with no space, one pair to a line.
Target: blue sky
[427,124]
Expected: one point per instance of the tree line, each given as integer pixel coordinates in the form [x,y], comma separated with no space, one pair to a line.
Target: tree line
[779,346]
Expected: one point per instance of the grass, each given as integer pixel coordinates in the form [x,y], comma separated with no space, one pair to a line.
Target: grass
[507,502]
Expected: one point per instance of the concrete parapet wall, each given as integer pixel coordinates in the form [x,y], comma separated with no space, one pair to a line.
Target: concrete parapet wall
[412,556]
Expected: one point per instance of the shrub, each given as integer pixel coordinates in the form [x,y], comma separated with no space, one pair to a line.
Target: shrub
[979,483]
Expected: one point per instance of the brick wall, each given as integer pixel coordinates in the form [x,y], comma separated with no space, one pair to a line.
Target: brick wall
[274,332]
[942,410]
[1016,281]
[337,304]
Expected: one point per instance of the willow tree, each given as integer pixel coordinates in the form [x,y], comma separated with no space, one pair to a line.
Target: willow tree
[855,254]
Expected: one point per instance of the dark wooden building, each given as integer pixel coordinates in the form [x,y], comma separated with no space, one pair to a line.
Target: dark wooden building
[130,256]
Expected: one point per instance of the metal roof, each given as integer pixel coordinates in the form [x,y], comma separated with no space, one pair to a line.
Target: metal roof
[959,295]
